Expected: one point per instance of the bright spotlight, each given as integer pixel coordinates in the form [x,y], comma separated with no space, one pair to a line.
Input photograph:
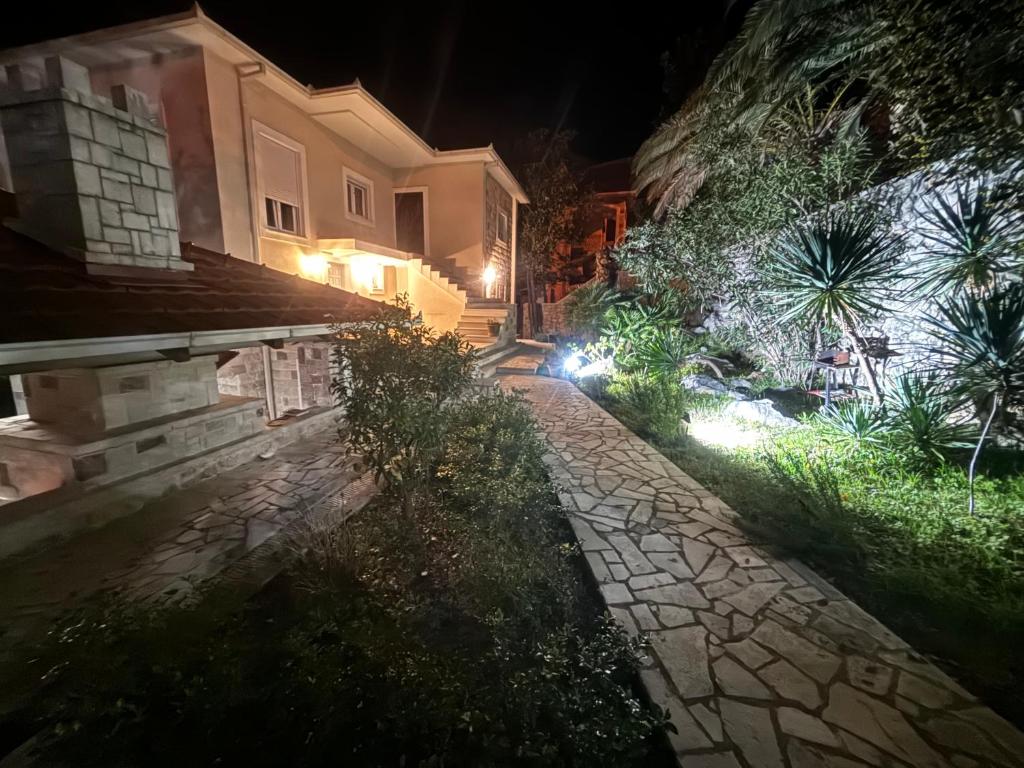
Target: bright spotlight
[573,362]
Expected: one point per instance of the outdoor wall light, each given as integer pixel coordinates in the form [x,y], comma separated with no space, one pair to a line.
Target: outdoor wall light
[574,362]
[368,273]
[313,266]
[490,275]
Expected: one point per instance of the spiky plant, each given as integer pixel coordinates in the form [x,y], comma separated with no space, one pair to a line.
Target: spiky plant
[972,242]
[586,307]
[838,270]
[855,421]
[981,345]
[665,352]
[920,414]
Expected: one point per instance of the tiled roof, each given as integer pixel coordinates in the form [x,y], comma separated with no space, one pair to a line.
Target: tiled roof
[48,296]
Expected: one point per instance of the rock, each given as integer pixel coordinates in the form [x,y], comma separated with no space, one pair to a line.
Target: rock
[750,729]
[656,542]
[688,735]
[671,562]
[734,680]
[703,384]
[792,684]
[615,594]
[685,595]
[697,553]
[740,384]
[759,412]
[880,725]
[868,675]
[754,597]
[805,655]
[684,654]
[803,726]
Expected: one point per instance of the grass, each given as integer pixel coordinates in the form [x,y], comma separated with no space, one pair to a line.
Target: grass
[892,533]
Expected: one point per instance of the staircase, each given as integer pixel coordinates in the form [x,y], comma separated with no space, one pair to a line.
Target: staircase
[479,313]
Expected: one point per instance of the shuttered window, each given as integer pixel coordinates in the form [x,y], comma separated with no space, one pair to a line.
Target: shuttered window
[279,168]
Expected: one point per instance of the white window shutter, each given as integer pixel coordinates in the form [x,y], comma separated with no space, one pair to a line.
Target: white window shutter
[279,168]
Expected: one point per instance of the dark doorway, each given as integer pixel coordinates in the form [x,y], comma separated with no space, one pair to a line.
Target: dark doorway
[410,231]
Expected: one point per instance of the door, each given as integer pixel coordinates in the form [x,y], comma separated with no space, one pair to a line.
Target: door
[410,222]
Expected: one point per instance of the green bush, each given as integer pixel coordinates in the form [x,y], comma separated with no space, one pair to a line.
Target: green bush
[395,379]
[653,406]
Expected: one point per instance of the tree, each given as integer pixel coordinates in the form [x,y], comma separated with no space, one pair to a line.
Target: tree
[835,271]
[557,205]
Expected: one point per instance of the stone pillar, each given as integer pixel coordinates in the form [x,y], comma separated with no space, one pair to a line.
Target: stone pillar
[92,176]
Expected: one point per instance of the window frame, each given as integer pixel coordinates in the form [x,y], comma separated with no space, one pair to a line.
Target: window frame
[357,179]
[508,228]
[301,234]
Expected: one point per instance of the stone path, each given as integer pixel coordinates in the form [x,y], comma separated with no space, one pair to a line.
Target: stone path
[170,545]
[759,661]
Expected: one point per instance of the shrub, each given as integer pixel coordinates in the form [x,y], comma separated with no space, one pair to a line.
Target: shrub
[653,406]
[921,418]
[856,421]
[586,307]
[395,379]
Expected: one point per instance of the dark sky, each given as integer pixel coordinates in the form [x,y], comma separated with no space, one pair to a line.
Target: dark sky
[464,73]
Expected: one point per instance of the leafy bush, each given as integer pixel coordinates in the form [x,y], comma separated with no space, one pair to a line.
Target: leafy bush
[395,379]
[586,308]
[666,352]
[654,406]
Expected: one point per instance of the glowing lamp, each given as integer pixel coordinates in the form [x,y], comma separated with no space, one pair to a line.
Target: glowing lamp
[313,266]
[573,363]
[490,275]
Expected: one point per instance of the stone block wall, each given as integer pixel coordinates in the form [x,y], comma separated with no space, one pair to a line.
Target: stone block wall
[92,175]
[496,253]
[301,375]
[90,401]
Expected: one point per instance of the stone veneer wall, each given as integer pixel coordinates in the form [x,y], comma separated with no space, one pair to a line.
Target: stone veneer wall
[498,254]
[302,375]
[92,176]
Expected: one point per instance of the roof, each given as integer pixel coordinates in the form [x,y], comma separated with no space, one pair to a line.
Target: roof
[47,296]
[349,110]
[613,176]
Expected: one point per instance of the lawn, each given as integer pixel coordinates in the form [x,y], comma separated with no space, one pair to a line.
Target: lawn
[893,534]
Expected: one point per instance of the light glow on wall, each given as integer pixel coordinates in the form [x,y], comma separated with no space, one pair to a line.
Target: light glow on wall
[368,273]
[490,275]
[314,266]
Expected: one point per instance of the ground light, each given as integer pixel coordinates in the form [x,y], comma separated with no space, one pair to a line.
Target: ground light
[723,433]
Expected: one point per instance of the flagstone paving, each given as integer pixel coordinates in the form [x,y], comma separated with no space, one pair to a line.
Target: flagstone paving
[758,660]
[172,544]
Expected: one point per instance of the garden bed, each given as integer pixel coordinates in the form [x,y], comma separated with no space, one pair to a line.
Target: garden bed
[457,630]
[893,534]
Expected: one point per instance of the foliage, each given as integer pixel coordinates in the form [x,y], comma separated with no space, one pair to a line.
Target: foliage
[972,243]
[835,271]
[856,421]
[665,353]
[981,343]
[586,308]
[922,418]
[935,80]
[655,405]
[395,379]
[466,612]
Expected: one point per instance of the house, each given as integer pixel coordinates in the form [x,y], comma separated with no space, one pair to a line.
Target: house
[612,207]
[187,224]
[322,183]
[603,227]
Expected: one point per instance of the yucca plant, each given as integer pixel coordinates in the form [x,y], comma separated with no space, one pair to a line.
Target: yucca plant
[972,243]
[855,421]
[981,345]
[840,271]
[666,351]
[920,416]
[586,307]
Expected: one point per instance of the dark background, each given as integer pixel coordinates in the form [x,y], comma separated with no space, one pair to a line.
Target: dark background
[463,73]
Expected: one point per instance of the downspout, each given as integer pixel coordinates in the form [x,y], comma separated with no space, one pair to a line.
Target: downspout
[512,298]
[244,72]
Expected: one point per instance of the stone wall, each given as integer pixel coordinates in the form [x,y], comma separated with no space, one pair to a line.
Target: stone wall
[92,175]
[301,371]
[497,253]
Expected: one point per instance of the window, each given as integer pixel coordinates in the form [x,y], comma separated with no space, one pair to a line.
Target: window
[503,228]
[358,197]
[609,230]
[279,171]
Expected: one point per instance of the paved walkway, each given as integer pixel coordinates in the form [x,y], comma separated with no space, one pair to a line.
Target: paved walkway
[759,661]
[165,549]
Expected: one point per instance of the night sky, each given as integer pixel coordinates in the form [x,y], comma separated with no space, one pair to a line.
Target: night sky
[461,73]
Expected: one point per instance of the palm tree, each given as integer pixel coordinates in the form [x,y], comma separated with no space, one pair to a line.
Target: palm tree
[838,271]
